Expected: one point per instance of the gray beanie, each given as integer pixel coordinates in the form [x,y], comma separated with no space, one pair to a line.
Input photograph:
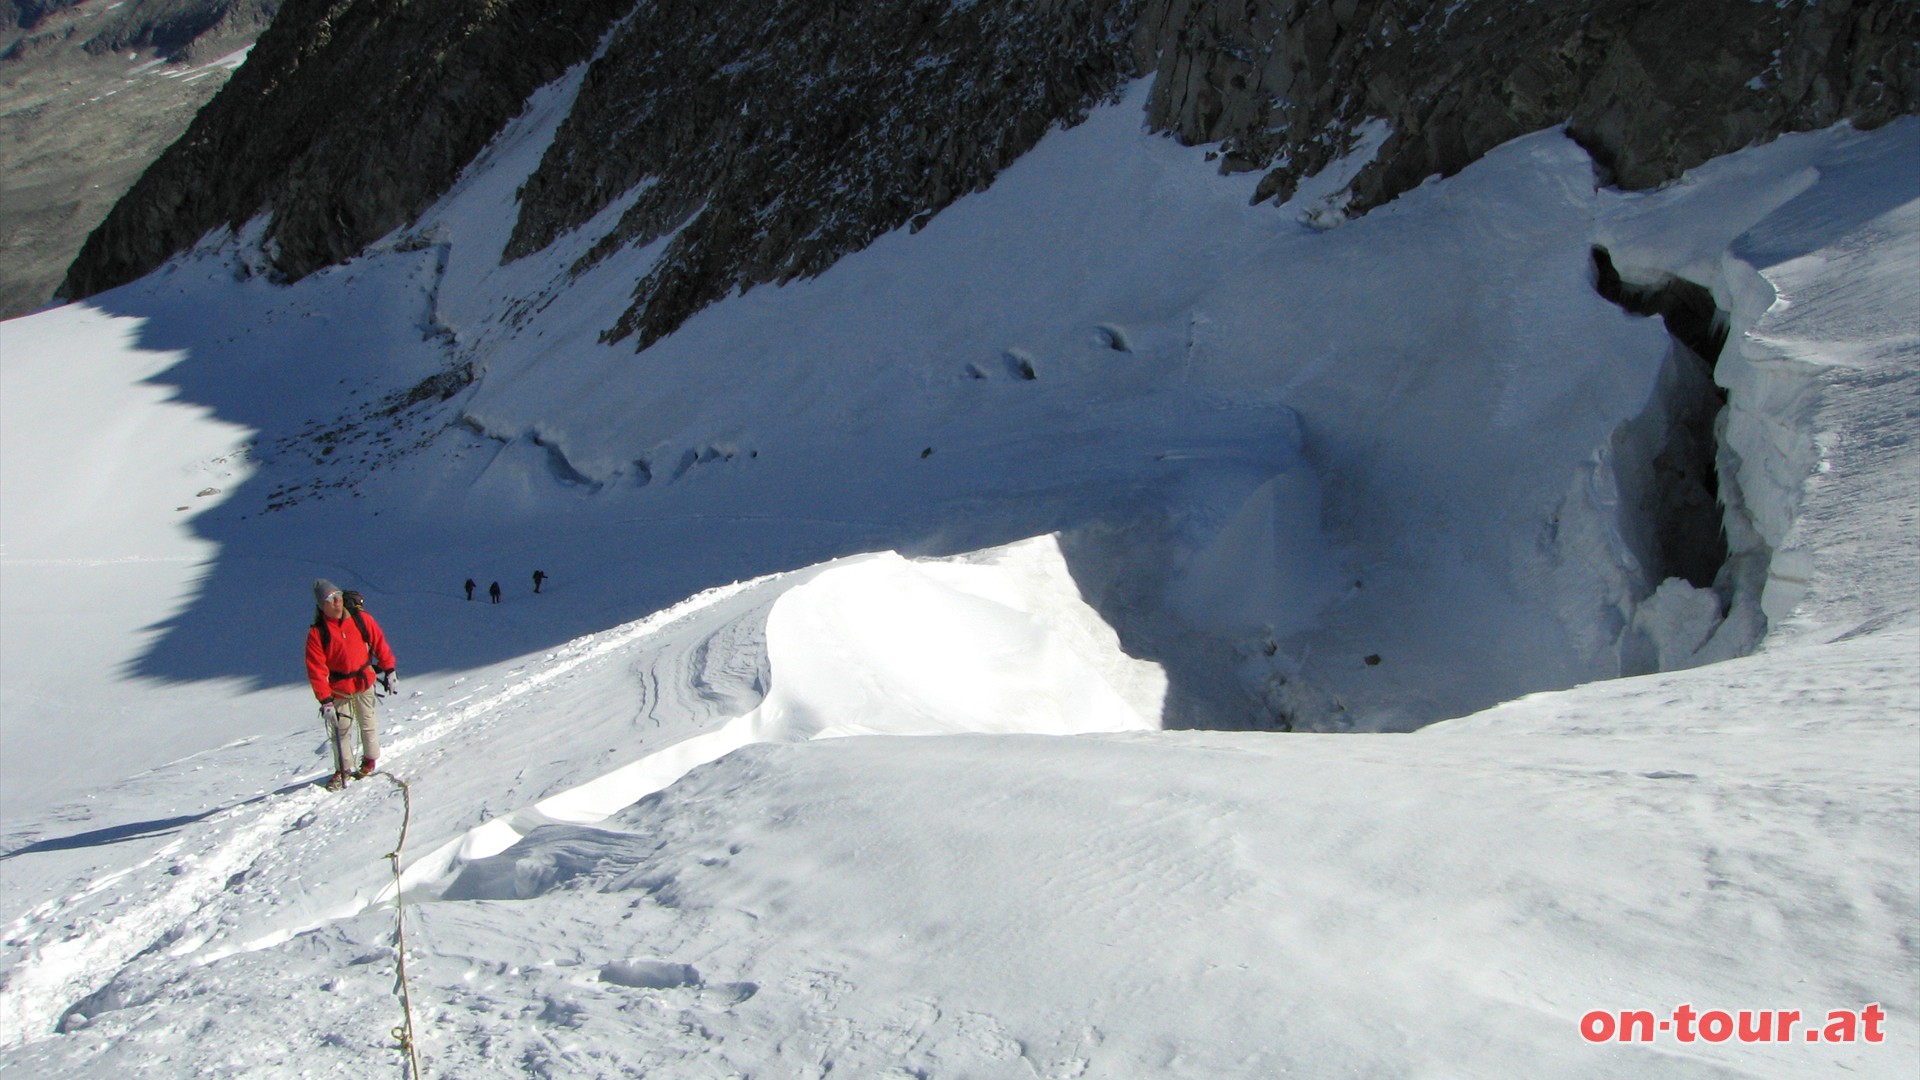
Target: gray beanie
[322,588]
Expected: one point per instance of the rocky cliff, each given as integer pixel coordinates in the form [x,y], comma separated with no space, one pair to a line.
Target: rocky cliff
[1650,87]
[767,138]
[348,119]
[781,136]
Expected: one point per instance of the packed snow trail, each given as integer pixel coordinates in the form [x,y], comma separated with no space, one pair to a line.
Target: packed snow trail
[73,946]
[99,931]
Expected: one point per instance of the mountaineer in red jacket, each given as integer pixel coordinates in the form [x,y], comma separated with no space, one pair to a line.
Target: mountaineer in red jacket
[346,655]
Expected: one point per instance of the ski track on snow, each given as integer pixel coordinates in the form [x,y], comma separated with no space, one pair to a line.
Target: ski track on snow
[97,944]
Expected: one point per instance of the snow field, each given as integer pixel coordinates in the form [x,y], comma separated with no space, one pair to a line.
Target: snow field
[1213,905]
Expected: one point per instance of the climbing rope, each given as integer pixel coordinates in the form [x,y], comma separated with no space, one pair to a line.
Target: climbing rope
[403,1033]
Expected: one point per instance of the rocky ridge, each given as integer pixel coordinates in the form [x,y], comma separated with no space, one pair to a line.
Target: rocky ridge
[1650,89]
[767,138]
[349,118]
[778,137]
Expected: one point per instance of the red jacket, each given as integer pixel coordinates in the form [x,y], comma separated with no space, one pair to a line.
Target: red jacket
[346,663]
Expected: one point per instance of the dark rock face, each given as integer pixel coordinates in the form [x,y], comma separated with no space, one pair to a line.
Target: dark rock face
[1650,87]
[770,137]
[347,120]
[777,137]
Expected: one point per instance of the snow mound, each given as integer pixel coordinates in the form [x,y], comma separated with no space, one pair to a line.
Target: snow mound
[997,641]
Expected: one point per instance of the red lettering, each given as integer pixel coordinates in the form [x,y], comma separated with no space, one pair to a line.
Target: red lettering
[1683,1023]
[1688,1025]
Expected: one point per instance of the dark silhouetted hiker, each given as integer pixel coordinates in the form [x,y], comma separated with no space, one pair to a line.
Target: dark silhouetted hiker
[538,577]
[470,588]
[347,654]
[493,590]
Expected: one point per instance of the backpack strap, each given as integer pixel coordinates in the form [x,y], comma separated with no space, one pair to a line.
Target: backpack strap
[326,641]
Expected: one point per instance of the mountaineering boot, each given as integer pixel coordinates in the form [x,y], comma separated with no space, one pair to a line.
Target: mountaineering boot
[337,781]
[366,768]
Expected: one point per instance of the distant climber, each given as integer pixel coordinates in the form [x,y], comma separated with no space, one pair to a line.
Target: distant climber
[538,577]
[493,590]
[347,654]
[470,588]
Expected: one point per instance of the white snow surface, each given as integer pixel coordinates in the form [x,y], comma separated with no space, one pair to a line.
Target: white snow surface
[1101,455]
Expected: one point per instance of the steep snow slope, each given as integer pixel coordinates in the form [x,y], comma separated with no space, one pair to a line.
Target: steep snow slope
[1410,420]
[1438,379]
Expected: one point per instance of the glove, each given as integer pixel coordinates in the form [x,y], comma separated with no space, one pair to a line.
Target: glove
[328,713]
[390,680]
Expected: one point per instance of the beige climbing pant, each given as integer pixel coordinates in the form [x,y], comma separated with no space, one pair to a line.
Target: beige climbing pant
[349,709]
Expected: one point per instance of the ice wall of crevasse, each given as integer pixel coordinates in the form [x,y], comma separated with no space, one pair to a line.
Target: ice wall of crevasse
[1664,465]
[1807,300]
[1662,554]
[1735,241]
[1769,448]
